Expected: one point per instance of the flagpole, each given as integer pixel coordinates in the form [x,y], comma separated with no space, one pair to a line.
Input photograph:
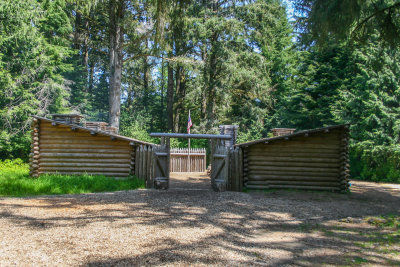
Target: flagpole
[188,167]
[189,156]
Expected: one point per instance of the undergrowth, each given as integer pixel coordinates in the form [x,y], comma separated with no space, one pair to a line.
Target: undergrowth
[15,181]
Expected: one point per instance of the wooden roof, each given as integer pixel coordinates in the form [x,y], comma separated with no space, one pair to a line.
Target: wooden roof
[116,136]
[299,133]
[66,115]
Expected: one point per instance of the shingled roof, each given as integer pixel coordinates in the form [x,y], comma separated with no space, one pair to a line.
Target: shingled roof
[296,134]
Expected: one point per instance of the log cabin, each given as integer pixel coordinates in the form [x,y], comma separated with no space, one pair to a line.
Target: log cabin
[312,159]
[64,145]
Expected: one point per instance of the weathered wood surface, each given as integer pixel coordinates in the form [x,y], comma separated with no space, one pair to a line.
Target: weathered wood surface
[161,163]
[85,169]
[152,165]
[227,171]
[235,169]
[65,150]
[309,161]
[180,157]
[87,164]
[79,128]
[272,177]
[345,162]
[34,156]
[110,174]
[306,187]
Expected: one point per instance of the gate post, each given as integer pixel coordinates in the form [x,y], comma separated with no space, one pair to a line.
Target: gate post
[229,130]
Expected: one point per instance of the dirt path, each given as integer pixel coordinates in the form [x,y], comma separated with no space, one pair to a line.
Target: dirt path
[196,227]
[191,181]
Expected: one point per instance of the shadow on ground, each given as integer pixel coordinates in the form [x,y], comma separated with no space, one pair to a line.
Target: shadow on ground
[257,228]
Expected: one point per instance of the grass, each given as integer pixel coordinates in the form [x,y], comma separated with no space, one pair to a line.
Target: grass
[366,245]
[15,181]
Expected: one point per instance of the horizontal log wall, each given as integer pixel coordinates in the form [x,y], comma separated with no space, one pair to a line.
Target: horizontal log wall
[315,161]
[64,150]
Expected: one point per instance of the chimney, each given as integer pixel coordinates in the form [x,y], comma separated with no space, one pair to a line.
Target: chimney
[229,130]
[282,131]
[67,118]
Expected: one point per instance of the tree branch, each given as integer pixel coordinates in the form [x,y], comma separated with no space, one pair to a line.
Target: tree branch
[148,55]
[141,38]
[365,20]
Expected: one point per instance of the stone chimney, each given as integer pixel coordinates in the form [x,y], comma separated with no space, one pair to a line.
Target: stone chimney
[231,130]
[282,131]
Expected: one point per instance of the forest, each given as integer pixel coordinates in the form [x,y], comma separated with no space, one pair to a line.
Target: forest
[260,64]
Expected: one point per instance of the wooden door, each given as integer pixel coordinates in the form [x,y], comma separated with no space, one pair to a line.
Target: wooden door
[219,167]
[161,162]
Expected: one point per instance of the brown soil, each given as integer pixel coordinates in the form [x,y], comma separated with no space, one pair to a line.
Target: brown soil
[191,225]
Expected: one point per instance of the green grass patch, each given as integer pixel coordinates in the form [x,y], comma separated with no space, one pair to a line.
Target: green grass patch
[389,220]
[15,181]
[373,240]
[359,260]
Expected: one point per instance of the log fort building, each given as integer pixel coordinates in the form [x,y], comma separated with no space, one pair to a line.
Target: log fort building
[312,159]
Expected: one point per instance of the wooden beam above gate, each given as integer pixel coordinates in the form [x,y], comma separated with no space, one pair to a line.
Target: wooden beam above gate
[194,136]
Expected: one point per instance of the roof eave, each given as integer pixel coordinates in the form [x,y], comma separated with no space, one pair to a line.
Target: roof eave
[120,137]
[317,130]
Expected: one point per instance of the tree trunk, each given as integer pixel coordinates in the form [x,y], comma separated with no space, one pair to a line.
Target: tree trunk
[85,52]
[91,77]
[170,97]
[211,90]
[146,91]
[77,31]
[204,91]
[116,60]
[180,95]
[177,99]
[162,95]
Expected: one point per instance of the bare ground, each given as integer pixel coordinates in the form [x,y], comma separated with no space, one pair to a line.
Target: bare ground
[191,225]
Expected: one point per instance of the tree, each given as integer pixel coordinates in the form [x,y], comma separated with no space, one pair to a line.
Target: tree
[34,49]
[358,19]
[355,84]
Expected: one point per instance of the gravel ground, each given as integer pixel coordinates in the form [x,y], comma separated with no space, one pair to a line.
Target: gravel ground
[189,225]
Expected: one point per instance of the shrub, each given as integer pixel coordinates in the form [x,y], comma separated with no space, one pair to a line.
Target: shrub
[375,163]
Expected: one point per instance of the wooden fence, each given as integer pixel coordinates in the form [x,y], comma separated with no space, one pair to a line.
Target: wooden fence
[151,165]
[180,160]
[235,180]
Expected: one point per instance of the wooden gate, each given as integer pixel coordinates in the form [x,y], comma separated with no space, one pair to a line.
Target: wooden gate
[152,165]
[161,165]
[226,168]
[219,167]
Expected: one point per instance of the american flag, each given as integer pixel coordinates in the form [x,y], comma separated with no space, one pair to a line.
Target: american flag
[189,123]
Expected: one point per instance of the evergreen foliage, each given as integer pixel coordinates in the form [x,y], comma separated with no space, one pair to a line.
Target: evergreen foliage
[357,85]
[227,61]
[350,19]
[33,49]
